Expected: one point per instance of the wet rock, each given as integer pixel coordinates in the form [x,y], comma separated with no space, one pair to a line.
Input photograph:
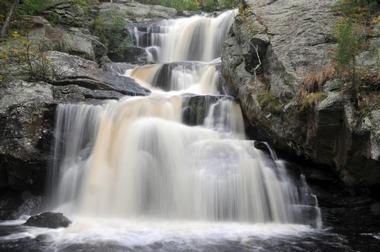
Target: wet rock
[14,204]
[48,220]
[195,107]
[71,69]
[132,55]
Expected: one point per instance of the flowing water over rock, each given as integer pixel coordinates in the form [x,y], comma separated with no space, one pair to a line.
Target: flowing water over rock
[172,171]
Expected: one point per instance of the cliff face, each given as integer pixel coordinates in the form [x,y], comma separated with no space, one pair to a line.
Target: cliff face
[272,52]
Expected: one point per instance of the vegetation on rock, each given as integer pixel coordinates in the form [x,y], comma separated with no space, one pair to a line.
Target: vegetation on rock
[194,5]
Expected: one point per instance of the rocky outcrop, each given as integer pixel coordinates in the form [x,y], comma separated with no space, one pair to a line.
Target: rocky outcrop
[48,220]
[134,11]
[69,69]
[71,40]
[271,50]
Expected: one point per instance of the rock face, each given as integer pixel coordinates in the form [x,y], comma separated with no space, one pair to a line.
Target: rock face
[71,69]
[135,12]
[270,52]
[48,220]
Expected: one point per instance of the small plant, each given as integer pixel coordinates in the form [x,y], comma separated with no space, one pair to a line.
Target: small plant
[315,80]
[310,100]
[268,102]
[30,57]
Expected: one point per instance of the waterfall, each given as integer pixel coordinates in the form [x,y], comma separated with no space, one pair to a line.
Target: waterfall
[198,38]
[179,154]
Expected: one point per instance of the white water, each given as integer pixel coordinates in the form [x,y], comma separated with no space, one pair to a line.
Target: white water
[131,171]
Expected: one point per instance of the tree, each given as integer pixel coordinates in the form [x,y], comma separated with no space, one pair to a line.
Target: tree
[349,45]
[5,26]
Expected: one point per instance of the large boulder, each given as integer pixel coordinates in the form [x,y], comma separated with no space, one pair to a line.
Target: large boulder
[48,220]
[66,39]
[69,69]
[270,52]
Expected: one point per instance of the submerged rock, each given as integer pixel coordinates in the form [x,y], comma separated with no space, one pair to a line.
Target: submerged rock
[48,220]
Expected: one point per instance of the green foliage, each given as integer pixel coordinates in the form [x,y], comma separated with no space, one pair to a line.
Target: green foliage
[181,5]
[194,5]
[349,43]
[358,8]
[228,4]
[34,7]
[29,57]
[312,99]
[82,3]
[269,102]
[112,35]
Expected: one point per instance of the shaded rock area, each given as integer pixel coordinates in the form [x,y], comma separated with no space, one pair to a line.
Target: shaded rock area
[270,52]
[48,220]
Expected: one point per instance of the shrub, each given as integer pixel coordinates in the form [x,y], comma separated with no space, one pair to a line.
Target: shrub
[269,102]
[34,7]
[310,100]
[29,57]
[112,35]
[181,5]
[314,80]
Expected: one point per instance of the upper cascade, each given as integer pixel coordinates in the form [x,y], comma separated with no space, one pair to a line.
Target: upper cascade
[197,38]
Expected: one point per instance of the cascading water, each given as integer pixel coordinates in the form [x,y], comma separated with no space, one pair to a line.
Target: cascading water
[178,155]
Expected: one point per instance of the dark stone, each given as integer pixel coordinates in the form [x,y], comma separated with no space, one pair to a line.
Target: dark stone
[74,70]
[48,220]
[132,54]
[195,107]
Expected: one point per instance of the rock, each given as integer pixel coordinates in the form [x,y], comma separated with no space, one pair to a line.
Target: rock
[195,107]
[14,204]
[135,12]
[70,40]
[26,119]
[66,13]
[132,55]
[75,70]
[48,220]
[293,39]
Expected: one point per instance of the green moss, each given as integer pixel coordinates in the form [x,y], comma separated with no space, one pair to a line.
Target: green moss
[270,103]
[310,100]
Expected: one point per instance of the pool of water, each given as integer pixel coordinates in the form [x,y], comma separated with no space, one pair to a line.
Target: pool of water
[94,234]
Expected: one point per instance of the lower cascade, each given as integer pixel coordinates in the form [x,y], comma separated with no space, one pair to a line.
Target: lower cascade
[177,155]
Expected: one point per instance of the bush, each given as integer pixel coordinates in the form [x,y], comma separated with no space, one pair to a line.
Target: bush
[31,58]
[113,35]
[34,7]
[269,102]
[181,5]
[310,100]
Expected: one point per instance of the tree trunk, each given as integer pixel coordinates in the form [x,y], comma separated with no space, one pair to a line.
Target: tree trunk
[8,19]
